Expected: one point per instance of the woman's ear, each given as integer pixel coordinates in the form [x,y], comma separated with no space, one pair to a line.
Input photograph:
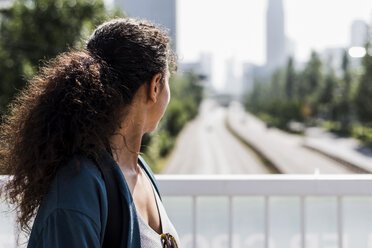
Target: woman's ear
[154,88]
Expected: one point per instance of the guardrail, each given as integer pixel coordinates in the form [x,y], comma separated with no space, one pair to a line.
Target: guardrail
[311,199]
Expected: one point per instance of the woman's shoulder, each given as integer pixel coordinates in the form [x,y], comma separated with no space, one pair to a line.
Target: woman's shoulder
[79,171]
[77,187]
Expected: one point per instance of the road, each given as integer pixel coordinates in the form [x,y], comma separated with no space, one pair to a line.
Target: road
[205,146]
[346,149]
[283,149]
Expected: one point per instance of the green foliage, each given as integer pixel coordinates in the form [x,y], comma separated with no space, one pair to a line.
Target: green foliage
[342,103]
[310,95]
[255,100]
[282,112]
[364,95]
[326,95]
[176,117]
[186,95]
[275,100]
[162,144]
[326,91]
[364,133]
[357,130]
[32,31]
[311,78]
[290,79]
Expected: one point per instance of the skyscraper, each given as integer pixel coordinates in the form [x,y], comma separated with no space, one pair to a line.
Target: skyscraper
[275,35]
[162,12]
[358,33]
[4,4]
[233,77]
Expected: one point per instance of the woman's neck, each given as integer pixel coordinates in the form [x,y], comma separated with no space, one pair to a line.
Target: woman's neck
[126,144]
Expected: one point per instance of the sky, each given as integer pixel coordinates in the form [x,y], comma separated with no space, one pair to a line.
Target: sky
[235,29]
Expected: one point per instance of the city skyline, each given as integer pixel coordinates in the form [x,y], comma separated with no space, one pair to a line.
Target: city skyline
[331,27]
[237,29]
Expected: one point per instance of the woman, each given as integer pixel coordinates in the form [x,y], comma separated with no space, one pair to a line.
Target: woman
[86,111]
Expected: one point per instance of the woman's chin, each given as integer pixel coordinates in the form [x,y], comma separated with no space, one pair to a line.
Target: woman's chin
[153,128]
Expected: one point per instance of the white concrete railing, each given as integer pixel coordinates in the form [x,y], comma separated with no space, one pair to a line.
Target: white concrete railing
[267,188]
[270,186]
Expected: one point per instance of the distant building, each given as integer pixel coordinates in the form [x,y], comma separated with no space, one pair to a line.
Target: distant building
[358,38]
[358,33]
[333,57]
[276,49]
[290,49]
[251,73]
[206,68]
[202,67]
[162,12]
[4,4]
[185,67]
[233,78]
[248,77]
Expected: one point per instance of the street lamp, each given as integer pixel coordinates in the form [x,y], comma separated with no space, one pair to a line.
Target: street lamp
[357,52]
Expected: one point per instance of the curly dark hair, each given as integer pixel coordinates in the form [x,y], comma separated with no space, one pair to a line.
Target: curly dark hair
[74,104]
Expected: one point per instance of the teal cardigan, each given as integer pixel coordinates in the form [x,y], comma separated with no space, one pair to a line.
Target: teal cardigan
[74,212]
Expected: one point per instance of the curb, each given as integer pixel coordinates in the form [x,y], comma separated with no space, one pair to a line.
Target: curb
[347,164]
[268,163]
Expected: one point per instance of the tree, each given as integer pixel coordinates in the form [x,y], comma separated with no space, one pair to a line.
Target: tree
[290,78]
[252,101]
[186,95]
[311,76]
[311,79]
[343,103]
[346,74]
[326,94]
[35,30]
[364,94]
[276,85]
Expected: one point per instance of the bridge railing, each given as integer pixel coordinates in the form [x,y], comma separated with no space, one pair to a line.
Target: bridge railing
[270,211]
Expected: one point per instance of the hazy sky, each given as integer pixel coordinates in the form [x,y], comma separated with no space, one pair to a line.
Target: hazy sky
[236,28]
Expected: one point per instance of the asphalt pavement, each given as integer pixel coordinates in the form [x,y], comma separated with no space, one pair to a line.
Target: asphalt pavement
[285,150]
[205,146]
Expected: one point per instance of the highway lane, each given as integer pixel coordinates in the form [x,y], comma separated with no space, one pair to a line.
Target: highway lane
[283,149]
[205,146]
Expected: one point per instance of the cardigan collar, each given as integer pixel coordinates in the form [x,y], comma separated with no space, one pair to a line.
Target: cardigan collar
[133,229]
